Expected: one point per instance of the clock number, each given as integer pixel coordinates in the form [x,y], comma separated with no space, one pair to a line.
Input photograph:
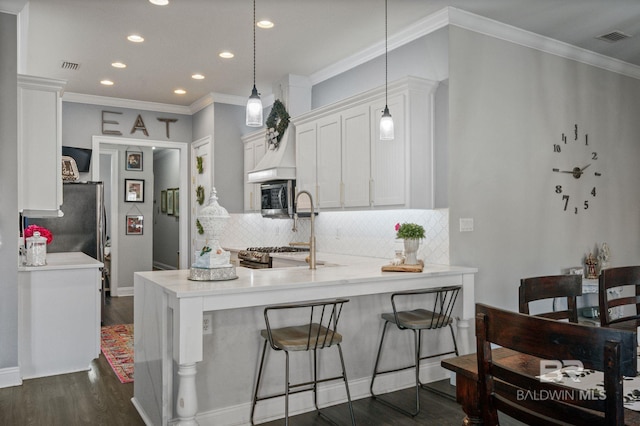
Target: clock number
[594,155]
[586,139]
[556,148]
[564,138]
[575,132]
[565,198]
[559,189]
[576,210]
[593,191]
[586,204]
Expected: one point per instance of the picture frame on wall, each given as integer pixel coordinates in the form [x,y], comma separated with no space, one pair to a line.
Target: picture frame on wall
[170,202]
[134,161]
[134,190]
[135,224]
[163,201]
[176,202]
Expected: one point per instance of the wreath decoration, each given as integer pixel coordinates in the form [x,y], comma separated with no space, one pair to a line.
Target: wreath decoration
[277,124]
[199,226]
[200,194]
[199,164]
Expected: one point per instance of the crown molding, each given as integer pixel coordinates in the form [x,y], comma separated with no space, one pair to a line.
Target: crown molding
[499,30]
[125,103]
[419,29]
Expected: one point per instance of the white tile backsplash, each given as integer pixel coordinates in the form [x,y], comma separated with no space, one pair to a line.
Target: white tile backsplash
[361,233]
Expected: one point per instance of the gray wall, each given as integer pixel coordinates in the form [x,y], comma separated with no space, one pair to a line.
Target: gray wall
[508,105]
[8,193]
[426,57]
[166,232]
[228,156]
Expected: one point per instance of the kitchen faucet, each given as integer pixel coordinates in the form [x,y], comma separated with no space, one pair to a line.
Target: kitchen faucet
[312,237]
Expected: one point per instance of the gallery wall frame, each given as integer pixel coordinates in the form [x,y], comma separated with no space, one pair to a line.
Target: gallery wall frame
[134,161]
[134,190]
[135,224]
[170,202]
[163,201]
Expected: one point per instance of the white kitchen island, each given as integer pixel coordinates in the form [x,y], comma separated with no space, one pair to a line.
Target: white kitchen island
[169,340]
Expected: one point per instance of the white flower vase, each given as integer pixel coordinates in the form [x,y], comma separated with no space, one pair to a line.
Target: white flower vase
[411,251]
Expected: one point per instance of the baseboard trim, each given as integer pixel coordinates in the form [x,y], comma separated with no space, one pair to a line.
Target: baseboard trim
[328,394]
[124,291]
[10,377]
[145,418]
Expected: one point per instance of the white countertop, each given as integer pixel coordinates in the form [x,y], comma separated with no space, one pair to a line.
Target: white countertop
[347,270]
[69,260]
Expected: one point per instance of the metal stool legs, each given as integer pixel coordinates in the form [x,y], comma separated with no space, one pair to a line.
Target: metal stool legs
[417,358]
[314,387]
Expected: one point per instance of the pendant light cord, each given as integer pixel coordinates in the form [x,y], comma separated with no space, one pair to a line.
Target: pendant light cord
[386,66]
[254,43]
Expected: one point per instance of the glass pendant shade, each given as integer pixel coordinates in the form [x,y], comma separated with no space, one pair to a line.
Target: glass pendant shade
[386,125]
[254,109]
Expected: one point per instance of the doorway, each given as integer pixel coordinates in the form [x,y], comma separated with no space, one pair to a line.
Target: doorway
[118,217]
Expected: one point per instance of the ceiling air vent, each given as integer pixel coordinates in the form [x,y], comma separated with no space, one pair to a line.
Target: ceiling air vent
[613,36]
[66,65]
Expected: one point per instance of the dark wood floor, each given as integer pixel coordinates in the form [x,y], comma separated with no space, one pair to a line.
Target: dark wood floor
[96,397]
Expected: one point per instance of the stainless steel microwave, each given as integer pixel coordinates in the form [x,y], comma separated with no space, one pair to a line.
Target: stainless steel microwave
[277,198]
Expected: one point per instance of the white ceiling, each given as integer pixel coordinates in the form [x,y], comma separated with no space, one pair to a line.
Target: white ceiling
[309,36]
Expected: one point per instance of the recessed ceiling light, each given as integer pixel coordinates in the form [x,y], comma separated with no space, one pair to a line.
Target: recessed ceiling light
[106,82]
[159,2]
[118,65]
[197,77]
[179,91]
[135,38]
[265,24]
[226,55]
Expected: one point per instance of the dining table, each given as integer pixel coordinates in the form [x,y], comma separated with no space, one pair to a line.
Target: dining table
[465,368]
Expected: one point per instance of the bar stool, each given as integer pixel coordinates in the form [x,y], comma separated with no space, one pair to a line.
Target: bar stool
[417,320]
[319,332]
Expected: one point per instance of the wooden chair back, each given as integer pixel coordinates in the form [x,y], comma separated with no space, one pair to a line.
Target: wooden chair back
[613,278]
[512,389]
[550,287]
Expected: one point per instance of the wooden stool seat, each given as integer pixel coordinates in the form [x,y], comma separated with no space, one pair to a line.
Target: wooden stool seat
[418,319]
[301,337]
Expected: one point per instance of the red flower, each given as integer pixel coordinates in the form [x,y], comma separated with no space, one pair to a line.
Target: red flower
[397,227]
[44,232]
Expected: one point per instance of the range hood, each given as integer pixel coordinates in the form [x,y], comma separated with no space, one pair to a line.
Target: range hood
[277,164]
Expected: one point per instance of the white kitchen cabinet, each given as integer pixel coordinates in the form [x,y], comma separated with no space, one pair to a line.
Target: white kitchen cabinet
[39,145]
[353,168]
[255,148]
[389,171]
[328,162]
[59,315]
[356,156]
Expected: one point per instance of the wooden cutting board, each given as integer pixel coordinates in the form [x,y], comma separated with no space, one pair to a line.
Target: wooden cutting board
[404,268]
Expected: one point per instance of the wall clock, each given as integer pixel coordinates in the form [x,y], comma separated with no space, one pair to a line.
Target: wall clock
[576,166]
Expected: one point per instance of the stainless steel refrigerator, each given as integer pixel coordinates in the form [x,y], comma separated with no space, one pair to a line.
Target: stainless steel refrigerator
[82,227]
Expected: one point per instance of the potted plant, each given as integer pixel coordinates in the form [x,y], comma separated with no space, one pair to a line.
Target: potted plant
[412,233]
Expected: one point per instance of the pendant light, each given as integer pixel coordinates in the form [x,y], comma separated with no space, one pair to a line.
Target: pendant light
[386,122]
[254,104]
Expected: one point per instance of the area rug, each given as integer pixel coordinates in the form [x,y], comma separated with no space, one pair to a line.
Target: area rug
[117,346]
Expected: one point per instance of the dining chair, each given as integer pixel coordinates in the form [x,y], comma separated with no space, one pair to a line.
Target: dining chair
[618,310]
[551,287]
[518,390]
[319,331]
[435,314]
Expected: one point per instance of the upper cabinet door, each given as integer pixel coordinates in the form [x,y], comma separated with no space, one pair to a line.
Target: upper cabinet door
[389,172]
[356,156]
[306,159]
[39,146]
[329,167]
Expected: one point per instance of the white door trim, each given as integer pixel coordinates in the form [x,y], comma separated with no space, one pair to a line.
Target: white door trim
[183,147]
